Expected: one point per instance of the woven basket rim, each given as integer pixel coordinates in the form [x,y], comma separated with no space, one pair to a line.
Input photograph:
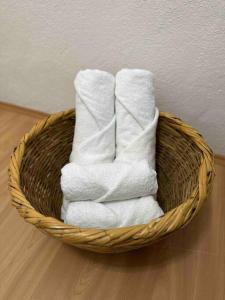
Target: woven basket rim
[170,221]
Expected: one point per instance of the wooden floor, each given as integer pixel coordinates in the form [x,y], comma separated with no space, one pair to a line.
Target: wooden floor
[189,265]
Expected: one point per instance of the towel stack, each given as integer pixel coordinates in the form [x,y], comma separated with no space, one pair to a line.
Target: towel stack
[106,186]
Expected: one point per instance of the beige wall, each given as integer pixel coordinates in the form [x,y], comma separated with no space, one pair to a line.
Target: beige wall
[44,43]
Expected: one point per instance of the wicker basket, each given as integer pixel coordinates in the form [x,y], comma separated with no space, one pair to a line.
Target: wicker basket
[185,173]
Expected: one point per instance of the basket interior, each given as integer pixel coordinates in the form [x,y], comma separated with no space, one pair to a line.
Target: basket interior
[177,162]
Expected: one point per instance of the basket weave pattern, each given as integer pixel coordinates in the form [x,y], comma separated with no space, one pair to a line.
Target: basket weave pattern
[185,172]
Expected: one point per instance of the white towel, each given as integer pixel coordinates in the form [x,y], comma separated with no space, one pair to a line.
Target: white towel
[108,181]
[122,213]
[136,118]
[94,135]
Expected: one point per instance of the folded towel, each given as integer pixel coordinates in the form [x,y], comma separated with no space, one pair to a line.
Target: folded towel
[122,213]
[94,135]
[108,181]
[136,118]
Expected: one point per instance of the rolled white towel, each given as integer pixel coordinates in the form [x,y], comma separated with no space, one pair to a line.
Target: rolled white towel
[108,181]
[120,214]
[94,135]
[136,117]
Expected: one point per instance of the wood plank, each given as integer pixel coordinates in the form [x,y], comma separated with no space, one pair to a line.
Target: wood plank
[188,265]
[22,110]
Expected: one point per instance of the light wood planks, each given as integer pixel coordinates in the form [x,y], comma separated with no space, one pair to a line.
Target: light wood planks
[188,265]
